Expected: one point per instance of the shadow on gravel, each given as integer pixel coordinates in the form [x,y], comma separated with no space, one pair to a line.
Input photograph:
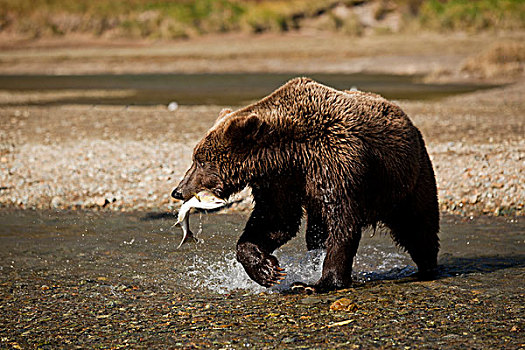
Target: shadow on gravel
[450,266]
[158,216]
[454,266]
[173,215]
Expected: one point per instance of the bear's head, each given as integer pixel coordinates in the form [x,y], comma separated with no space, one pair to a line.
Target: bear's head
[225,160]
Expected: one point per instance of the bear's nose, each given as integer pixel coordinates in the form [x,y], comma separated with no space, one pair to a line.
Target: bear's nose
[177,194]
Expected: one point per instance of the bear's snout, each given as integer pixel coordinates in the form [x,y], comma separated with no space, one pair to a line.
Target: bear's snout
[177,194]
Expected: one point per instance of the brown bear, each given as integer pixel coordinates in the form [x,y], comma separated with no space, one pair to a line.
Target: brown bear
[349,159]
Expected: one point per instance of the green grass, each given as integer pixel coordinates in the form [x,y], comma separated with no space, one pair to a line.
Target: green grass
[472,15]
[184,18]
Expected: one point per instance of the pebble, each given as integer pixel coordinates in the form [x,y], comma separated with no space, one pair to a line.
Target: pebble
[56,202]
[101,201]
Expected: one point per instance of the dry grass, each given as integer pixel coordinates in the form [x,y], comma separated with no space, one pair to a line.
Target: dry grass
[501,59]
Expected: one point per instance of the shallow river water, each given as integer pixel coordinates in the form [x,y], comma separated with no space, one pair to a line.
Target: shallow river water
[113,280]
[219,89]
[143,246]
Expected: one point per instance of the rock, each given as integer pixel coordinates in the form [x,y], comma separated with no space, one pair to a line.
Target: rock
[173,106]
[121,288]
[101,201]
[289,340]
[343,304]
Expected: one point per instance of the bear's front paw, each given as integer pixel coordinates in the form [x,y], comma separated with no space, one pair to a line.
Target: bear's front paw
[262,267]
[267,273]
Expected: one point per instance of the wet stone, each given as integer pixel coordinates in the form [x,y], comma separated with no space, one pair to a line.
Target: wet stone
[56,202]
[288,340]
[311,300]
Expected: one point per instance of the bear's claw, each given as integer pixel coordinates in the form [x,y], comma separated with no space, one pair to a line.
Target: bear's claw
[268,273]
[262,267]
[275,277]
[302,288]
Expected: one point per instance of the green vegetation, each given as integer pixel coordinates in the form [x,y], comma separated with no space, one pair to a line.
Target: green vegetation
[472,15]
[131,18]
[185,18]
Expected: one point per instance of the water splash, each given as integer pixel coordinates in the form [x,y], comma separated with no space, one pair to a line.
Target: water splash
[214,267]
[225,275]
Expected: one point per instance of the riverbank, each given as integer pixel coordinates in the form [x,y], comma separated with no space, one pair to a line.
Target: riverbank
[129,158]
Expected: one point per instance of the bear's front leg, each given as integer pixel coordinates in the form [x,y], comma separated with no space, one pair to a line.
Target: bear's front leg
[271,224]
[337,266]
[316,231]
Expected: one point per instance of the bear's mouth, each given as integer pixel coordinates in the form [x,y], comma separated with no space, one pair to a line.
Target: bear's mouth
[218,192]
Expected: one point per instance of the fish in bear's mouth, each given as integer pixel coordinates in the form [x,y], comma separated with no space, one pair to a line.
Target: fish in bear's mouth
[202,200]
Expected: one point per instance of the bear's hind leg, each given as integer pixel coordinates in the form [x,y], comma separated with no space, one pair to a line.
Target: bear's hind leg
[415,224]
[418,235]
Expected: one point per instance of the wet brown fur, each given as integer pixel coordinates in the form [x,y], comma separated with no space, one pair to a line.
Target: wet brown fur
[350,159]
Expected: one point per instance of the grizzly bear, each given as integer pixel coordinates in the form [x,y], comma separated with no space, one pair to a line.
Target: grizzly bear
[348,159]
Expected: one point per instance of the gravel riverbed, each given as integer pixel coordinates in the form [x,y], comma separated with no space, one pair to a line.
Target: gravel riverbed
[112,280]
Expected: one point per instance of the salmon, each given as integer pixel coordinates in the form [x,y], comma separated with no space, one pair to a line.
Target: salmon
[202,200]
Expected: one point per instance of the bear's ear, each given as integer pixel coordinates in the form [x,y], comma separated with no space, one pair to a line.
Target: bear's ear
[223,112]
[245,129]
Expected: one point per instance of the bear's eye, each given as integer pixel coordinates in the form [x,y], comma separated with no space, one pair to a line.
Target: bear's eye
[200,163]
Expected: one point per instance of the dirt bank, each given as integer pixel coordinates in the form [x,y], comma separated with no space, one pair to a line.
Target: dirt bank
[420,53]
